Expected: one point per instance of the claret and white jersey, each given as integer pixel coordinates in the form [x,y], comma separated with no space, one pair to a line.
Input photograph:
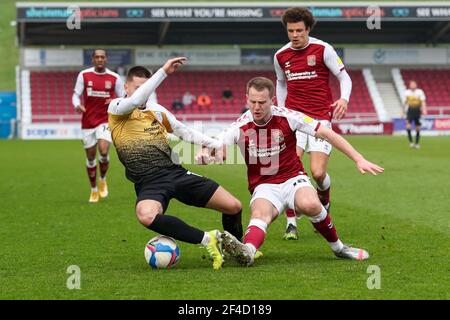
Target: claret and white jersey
[96,88]
[306,72]
[269,150]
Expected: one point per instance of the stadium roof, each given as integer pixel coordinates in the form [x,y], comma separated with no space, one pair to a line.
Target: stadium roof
[226,23]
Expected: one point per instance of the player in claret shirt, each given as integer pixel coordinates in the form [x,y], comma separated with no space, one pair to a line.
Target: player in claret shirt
[303,67]
[98,86]
[266,136]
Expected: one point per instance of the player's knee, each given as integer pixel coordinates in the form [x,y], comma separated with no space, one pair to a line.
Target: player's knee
[261,215]
[145,215]
[319,174]
[309,206]
[235,206]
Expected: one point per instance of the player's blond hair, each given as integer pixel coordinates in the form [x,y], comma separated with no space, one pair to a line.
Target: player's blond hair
[261,83]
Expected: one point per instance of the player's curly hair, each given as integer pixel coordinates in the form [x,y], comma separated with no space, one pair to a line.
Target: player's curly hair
[293,15]
[261,83]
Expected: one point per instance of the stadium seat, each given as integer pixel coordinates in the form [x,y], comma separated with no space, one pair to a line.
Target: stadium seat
[51,92]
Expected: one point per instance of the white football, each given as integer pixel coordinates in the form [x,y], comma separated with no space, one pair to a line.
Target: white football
[162,252]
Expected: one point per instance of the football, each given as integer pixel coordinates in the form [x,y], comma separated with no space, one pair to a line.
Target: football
[162,252]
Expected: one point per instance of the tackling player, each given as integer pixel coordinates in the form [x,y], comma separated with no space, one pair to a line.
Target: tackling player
[139,131]
[98,85]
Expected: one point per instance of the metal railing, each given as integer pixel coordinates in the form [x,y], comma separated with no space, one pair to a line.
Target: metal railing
[441,111]
[61,118]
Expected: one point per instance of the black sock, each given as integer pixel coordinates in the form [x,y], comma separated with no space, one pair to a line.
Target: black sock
[173,227]
[233,224]
[409,135]
[417,136]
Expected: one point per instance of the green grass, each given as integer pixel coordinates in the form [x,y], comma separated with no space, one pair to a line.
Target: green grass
[401,217]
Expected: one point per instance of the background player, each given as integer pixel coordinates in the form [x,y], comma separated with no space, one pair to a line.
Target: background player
[139,130]
[303,67]
[276,178]
[415,106]
[98,85]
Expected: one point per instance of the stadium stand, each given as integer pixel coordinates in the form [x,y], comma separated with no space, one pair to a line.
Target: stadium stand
[435,83]
[51,93]
[51,96]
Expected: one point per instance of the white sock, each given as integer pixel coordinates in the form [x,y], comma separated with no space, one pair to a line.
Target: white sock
[206,239]
[103,178]
[336,246]
[325,183]
[94,189]
[103,159]
[291,220]
[252,248]
[320,216]
[91,164]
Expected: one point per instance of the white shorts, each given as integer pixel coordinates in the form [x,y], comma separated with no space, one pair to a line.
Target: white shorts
[281,195]
[91,136]
[310,143]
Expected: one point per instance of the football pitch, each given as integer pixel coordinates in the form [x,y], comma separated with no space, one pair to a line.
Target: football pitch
[402,217]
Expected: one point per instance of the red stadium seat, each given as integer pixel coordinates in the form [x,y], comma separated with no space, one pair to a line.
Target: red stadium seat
[51,92]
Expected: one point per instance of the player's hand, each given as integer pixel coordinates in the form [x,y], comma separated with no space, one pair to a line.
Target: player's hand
[204,157]
[80,109]
[219,155]
[108,101]
[366,166]
[340,108]
[172,64]
[424,112]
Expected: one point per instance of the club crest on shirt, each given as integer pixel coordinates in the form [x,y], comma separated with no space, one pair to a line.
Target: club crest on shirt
[108,84]
[277,136]
[311,59]
[89,84]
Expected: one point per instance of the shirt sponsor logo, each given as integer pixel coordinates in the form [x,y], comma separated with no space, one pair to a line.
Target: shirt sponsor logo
[98,94]
[300,75]
[311,60]
[271,151]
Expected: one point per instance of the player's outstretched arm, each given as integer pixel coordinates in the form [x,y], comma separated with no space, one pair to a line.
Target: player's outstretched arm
[188,134]
[345,147]
[141,95]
